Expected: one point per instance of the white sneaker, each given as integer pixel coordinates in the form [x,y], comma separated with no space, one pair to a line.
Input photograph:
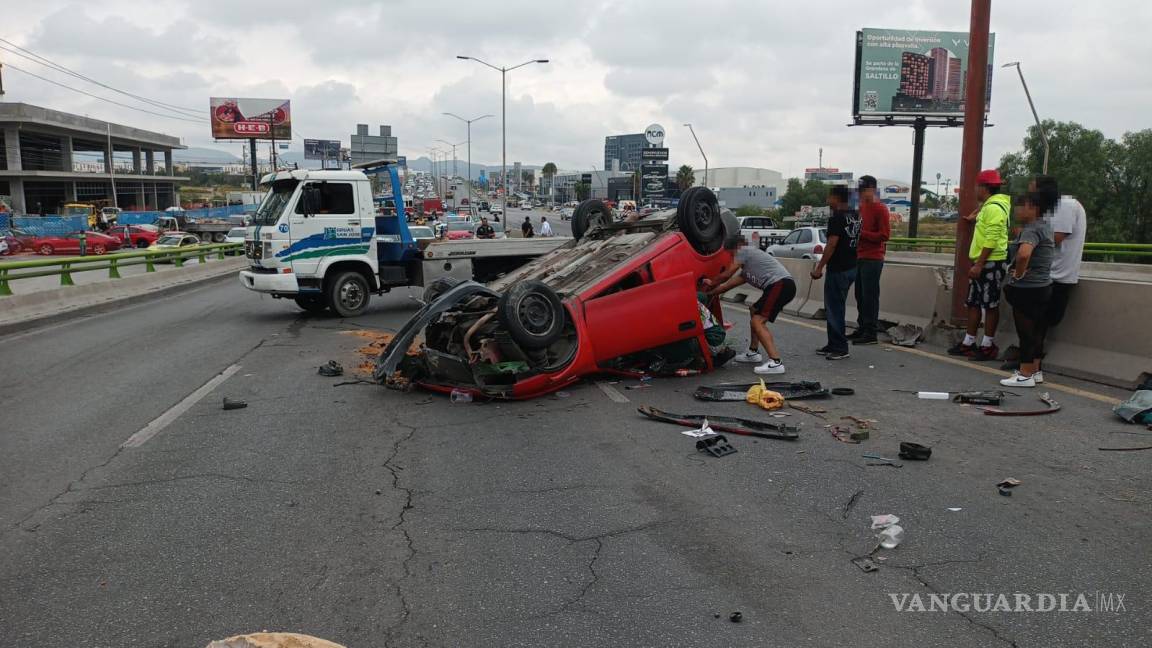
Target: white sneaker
[749,356]
[770,367]
[1038,376]
[1018,380]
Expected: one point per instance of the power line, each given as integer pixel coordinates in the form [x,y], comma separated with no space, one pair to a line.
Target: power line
[68,87]
[41,60]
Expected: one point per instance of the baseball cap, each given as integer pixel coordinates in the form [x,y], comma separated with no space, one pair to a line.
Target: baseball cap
[989,177]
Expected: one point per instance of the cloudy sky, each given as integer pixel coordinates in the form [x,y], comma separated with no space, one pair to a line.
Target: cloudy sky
[765,83]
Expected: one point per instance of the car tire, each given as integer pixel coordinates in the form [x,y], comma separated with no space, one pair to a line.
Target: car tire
[46,249]
[315,305]
[533,314]
[438,287]
[698,216]
[141,244]
[348,294]
[99,249]
[591,213]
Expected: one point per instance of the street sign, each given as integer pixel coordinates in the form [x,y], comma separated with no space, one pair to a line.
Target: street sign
[402,161]
[654,154]
[321,149]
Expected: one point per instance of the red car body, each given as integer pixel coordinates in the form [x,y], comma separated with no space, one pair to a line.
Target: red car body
[139,236]
[624,289]
[18,241]
[69,243]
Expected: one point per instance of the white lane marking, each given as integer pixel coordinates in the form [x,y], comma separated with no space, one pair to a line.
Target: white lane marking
[611,392]
[160,422]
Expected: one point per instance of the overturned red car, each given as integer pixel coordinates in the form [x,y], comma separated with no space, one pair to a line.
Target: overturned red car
[619,290]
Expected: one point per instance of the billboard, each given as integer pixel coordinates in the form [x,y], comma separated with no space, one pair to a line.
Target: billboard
[913,73]
[653,181]
[321,149]
[653,153]
[265,119]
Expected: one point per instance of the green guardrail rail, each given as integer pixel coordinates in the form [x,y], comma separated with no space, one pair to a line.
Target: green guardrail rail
[65,266]
[1120,251]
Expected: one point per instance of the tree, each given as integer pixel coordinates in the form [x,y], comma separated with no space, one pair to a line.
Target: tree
[813,192]
[549,172]
[582,190]
[685,177]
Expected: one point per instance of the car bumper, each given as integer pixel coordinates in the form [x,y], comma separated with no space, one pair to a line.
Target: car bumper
[275,284]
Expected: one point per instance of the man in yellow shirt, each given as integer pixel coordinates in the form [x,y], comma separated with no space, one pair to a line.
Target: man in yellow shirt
[989,255]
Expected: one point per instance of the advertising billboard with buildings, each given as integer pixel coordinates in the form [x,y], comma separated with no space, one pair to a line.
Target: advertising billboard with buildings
[264,119]
[321,149]
[901,72]
[653,181]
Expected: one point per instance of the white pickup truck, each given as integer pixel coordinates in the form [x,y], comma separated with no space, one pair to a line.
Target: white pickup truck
[317,238]
[761,231]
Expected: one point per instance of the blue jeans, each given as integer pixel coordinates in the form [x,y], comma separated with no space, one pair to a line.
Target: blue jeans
[836,286]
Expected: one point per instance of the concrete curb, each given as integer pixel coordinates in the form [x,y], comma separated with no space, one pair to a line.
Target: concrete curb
[20,312]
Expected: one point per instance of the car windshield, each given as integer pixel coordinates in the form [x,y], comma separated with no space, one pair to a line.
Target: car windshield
[237,232]
[460,226]
[169,240]
[421,232]
[274,201]
[823,236]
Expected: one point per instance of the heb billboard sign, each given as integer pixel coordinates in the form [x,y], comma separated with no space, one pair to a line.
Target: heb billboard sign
[654,154]
[235,118]
[903,72]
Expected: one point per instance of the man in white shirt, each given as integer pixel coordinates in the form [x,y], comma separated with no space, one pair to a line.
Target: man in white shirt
[545,227]
[1069,228]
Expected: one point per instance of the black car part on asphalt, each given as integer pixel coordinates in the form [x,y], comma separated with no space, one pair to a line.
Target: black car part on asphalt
[730,424]
[717,445]
[738,392]
[979,397]
[910,451]
[1053,407]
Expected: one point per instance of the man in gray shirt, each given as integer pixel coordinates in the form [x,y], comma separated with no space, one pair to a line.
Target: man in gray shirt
[759,269]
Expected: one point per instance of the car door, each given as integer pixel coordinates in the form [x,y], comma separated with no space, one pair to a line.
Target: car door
[642,317]
[804,244]
[335,228]
[787,247]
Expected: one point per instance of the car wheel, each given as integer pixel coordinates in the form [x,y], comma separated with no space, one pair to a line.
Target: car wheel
[533,314]
[46,249]
[312,304]
[698,216]
[438,287]
[141,244]
[348,294]
[807,256]
[99,249]
[591,213]
[219,237]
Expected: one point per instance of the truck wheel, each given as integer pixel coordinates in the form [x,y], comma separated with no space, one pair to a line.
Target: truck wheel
[439,287]
[589,214]
[312,304]
[698,216]
[348,294]
[533,314]
[219,237]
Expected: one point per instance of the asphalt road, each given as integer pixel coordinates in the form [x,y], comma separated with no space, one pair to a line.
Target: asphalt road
[371,517]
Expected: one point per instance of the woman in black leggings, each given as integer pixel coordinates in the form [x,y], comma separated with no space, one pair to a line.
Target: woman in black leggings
[1029,286]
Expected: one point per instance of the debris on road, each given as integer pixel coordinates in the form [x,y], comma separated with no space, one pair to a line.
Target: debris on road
[1053,407]
[891,533]
[730,424]
[460,396]
[865,564]
[910,451]
[739,392]
[764,398]
[979,397]
[931,395]
[843,391]
[844,435]
[885,460]
[808,409]
[905,335]
[702,431]
[862,423]
[850,503]
[884,521]
[736,617]
[717,445]
[1137,409]
[331,369]
[1125,449]
[273,640]
[230,404]
[1005,486]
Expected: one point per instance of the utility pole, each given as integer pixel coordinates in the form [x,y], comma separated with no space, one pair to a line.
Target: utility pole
[1039,125]
[693,131]
[111,163]
[973,147]
[469,123]
[918,128]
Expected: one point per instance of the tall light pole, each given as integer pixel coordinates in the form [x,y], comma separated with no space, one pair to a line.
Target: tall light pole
[1043,135]
[435,169]
[454,174]
[503,114]
[469,122]
[693,130]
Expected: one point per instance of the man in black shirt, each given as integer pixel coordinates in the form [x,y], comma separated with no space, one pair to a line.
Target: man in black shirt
[527,228]
[840,259]
[484,230]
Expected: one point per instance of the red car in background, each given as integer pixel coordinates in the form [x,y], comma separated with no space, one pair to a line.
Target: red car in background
[18,240]
[69,243]
[141,237]
[459,230]
[622,291]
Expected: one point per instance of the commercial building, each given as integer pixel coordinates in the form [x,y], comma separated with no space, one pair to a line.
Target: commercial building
[48,158]
[622,152]
[740,177]
[366,148]
[736,197]
[565,183]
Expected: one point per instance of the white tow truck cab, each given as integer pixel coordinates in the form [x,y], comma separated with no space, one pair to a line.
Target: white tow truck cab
[319,239]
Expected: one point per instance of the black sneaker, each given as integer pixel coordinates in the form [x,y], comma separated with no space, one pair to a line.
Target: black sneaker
[723,356]
[824,350]
[837,355]
[961,349]
[985,354]
[854,335]
[865,339]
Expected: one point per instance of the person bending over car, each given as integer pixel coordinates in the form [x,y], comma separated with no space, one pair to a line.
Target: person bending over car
[760,270]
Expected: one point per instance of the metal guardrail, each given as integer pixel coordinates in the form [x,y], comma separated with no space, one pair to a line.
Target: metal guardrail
[65,266]
[1118,251]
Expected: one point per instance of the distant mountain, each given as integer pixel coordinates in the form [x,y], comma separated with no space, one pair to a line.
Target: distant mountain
[424,164]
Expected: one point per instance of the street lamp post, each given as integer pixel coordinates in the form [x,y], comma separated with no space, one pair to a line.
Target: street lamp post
[469,122]
[1043,134]
[435,169]
[454,174]
[693,130]
[503,114]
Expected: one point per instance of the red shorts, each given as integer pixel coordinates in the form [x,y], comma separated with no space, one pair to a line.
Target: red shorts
[776,296]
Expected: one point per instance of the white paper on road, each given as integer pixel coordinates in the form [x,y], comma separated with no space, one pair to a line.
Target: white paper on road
[703,431]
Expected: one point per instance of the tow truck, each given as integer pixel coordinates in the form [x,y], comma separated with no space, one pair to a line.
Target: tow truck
[317,239]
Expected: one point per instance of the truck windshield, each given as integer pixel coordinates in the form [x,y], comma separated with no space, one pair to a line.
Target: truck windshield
[274,201]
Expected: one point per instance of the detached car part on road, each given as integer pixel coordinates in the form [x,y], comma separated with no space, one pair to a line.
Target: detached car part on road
[619,290]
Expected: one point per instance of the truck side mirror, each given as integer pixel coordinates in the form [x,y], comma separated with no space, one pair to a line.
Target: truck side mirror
[310,199]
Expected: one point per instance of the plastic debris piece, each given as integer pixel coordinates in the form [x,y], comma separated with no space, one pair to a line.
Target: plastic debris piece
[865,564]
[563,394]
[1009,482]
[461,396]
[703,431]
[955,509]
[892,536]
[930,395]
[736,617]
[884,521]
[910,451]
[905,335]
[230,404]
[716,445]
[331,369]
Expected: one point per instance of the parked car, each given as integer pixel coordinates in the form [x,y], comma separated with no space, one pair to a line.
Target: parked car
[421,232]
[95,243]
[496,210]
[18,240]
[174,241]
[801,243]
[459,230]
[762,231]
[236,235]
[525,207]
[141,237]
[624,290]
